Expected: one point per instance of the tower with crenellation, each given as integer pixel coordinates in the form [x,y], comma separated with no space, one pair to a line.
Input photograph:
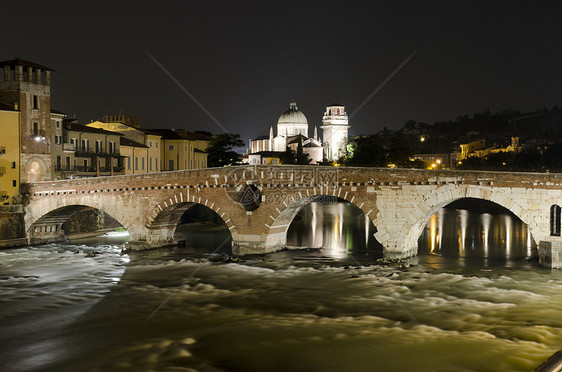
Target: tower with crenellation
[26,86]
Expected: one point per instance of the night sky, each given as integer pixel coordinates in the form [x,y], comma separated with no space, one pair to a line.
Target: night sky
[244,61]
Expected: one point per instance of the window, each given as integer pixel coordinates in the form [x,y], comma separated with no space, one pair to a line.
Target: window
[555,220]
[156,144]
[111,147]
[58,124]
[35,129]
[13,165]
[136,163]
[142,163]
[170,165]
[150,164]
[150,143]
[156,163]
[128,162]
[85,145]
[14,183]
[35,102]
[99,147]
[170,147]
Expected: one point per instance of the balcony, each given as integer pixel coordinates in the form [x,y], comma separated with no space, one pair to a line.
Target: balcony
[69,146]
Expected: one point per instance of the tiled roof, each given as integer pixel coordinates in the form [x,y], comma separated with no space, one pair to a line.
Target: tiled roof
[127,142]
[85,129]
[53,111]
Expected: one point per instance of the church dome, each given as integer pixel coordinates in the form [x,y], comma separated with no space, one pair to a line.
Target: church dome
[292,116]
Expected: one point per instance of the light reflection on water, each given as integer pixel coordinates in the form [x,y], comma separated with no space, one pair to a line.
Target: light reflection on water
[484,237]
[337,229]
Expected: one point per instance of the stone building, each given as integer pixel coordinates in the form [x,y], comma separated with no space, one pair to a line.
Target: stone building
[57,147]
[27,85]
[292,128]
[334,132]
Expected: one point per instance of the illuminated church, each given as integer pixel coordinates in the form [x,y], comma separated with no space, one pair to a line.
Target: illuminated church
[292,128]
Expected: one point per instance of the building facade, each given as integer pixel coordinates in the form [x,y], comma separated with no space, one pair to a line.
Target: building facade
[334,132]
[28,85]
[90,152]
[9,155]
[292,128]
[139,146]
[182,149]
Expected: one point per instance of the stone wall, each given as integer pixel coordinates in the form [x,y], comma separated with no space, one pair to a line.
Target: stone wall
[12,227]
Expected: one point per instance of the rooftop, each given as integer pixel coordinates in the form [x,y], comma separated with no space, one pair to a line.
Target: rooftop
[85,129]
[127,142]
[22,62]
[4,107]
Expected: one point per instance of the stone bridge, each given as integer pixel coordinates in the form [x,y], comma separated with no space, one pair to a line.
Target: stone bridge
[258,203]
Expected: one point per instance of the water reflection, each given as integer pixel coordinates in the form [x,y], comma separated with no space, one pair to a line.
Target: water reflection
[474,235]
[338,228]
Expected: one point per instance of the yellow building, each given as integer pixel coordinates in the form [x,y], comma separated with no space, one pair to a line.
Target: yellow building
[9,154]
[135,156]
[468,149]
[90,152]
[135,139]
[181,149]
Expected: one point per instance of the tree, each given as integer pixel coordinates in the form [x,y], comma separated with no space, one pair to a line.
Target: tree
[288,157]
[368,151]
[302,158]
[220,151]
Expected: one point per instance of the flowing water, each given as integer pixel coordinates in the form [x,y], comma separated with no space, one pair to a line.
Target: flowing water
[465,305]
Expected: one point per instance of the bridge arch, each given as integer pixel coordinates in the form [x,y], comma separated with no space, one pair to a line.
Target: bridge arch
[441,197]
[48,227]
[277,232]
[164,218]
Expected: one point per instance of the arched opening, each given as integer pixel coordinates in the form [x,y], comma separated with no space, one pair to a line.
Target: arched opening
[194,226]
[76,222]
[334,225]
[476,229]
[35,171]
[555,220]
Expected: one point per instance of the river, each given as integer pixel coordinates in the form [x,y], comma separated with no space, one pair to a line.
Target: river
[469,302]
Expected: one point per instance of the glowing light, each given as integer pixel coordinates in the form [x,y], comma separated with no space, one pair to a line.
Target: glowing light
[507,220]
[438,161]
[486,222]
[433,232]
[422,139]
[463,228]
[392,165]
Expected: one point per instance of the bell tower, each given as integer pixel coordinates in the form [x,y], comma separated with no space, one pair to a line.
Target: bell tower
[26,86]
[334,132]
